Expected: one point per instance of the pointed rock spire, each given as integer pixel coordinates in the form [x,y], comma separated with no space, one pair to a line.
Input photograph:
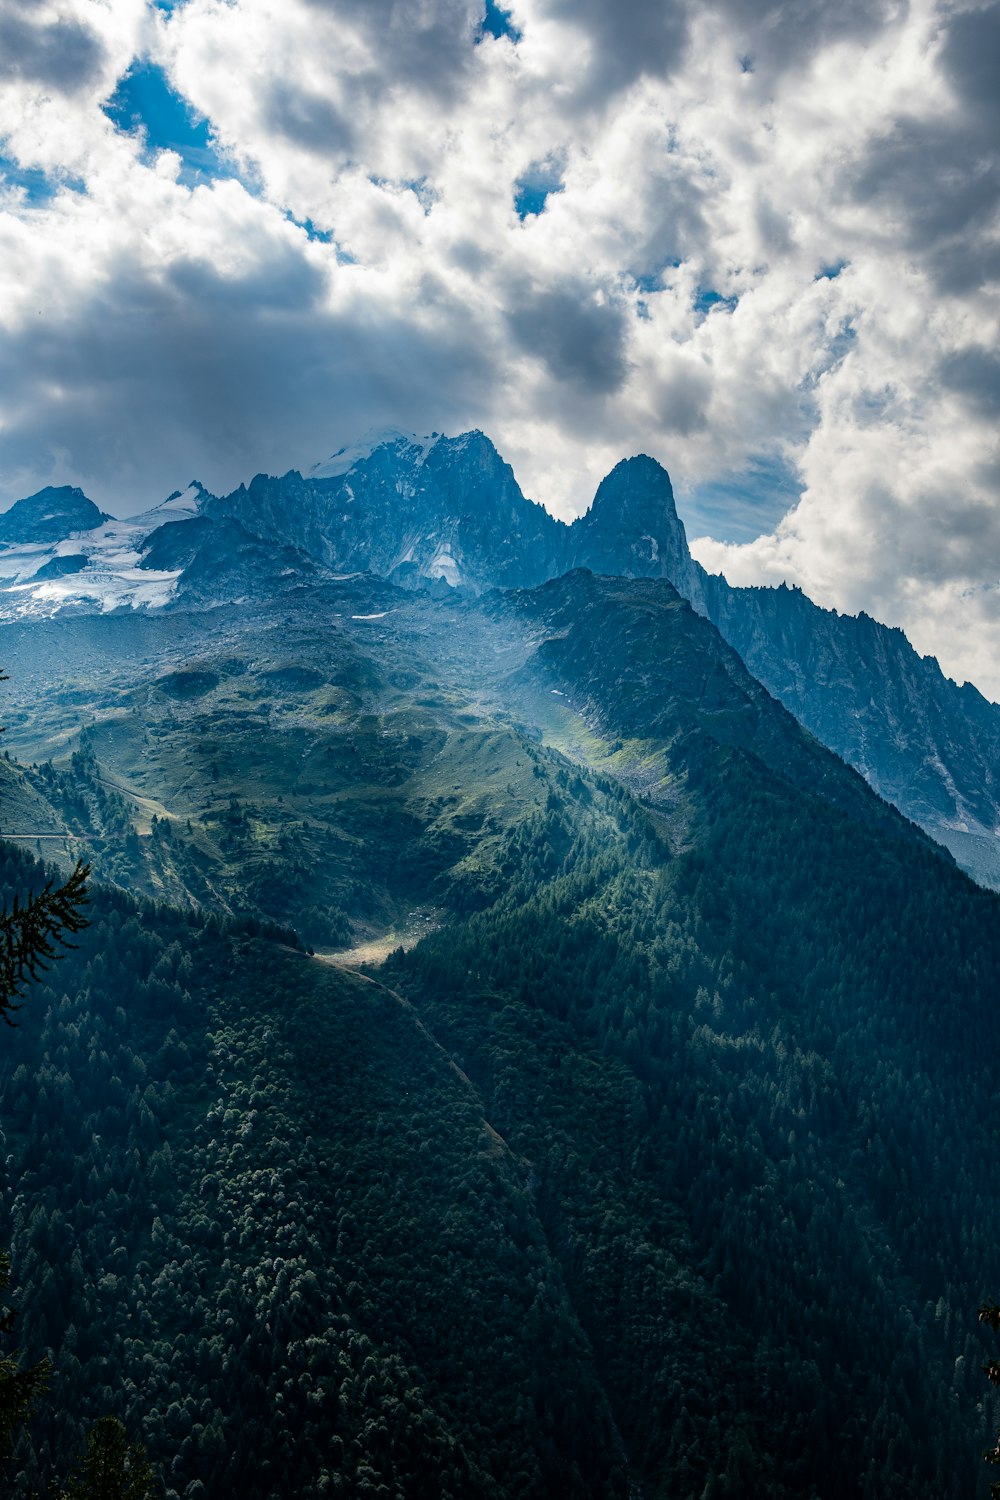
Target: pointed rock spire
[633,528]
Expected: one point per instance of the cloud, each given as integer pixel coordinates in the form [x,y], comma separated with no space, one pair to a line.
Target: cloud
[971,59]
[63,53]
[590,230]
[580,337]
[631,40]
[771,38]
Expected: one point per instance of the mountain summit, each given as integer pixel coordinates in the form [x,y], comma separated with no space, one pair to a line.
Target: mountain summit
[448,511]
[633,529]
[50,515]
[446,514]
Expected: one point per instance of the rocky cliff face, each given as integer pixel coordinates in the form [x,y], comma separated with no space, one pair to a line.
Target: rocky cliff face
[440,510]
[924,743]
[664,672]
[50,515]
[448,512]
[633,529]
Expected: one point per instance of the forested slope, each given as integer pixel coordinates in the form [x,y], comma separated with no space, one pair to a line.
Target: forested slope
[256,1212]
[755,1091]
[663,1170]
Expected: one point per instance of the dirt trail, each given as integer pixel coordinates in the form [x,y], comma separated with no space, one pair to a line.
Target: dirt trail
[375,950]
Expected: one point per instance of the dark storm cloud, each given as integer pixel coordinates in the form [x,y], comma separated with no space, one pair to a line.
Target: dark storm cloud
[649,38]
[580,340]
[631,39]
[675,228]
[63,54]
[429,47]
[681,401]
[309,120]
[285,281]
[942,176]
[971,59]
[778,36]
[975,373]
[221,375]
[961,266]
[933,174]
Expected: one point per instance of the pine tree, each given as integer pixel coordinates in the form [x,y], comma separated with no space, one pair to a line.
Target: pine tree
[33,931]
[111,1469]
[19,1387]
[989,1314]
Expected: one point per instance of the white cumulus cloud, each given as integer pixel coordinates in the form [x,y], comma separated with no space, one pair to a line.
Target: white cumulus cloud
[752,238]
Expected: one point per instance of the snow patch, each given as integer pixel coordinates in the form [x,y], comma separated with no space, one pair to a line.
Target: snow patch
[344,460]
[443,565]
[112,577]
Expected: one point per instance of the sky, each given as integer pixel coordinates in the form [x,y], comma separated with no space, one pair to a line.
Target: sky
[761,243]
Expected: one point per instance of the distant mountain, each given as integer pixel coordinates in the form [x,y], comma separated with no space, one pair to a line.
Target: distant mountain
[633,528]
[447,513]
[663,671]
[924,743]
[49,516]
[222,559]
[443,511]
[437,510]
[58,551]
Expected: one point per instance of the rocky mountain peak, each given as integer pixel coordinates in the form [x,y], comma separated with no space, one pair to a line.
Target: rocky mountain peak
[50,515]
[633,528]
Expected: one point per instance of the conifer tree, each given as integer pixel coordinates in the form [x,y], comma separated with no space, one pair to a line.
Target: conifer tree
[20,1386]
[111,1469]
[33,930]
[989,1314]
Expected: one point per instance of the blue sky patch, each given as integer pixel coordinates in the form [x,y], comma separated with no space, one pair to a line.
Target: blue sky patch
[653,281]
[497,22]
[830,272]
[707,297]
[535,186]
[144,100]
[745,503]
[420,187]
[841,344]
[321,236]
[38,185]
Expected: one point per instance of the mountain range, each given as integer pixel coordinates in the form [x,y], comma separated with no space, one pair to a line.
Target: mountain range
[447,513]
[510,1055]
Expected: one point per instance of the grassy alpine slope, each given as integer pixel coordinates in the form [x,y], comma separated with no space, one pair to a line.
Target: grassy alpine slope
[664,1169]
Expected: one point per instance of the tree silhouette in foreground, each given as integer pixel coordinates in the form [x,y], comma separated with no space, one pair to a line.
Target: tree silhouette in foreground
[34,930]
[989,1314]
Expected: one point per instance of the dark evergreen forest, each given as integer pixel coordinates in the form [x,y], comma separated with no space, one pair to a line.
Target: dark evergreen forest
[664,1169]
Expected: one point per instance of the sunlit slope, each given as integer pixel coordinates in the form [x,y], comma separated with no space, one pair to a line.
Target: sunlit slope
[329,769]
